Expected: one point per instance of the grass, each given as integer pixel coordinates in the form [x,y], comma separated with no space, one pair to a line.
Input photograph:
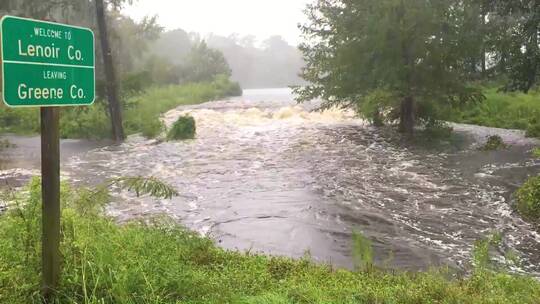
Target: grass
[504,110]
[141,112]
[160,262]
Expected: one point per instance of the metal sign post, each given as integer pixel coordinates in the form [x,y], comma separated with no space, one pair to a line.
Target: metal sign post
[47,65]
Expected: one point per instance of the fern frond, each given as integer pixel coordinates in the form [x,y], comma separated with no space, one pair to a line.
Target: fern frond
[145,186]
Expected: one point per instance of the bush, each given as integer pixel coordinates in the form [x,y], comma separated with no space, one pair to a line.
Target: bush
[493,143]
[91,122]
[536,152]
[437,130]
[533,129]
[528,199]
[19,121]
[183,128]
[503,110]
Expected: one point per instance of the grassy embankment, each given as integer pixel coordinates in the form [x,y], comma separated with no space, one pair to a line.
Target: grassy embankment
[504,110]
[163,263]
[510,111]
[141,111]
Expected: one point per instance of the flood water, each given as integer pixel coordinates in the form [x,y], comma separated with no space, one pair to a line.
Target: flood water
[267,175]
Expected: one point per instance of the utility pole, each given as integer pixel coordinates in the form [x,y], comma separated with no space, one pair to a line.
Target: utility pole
[115,110]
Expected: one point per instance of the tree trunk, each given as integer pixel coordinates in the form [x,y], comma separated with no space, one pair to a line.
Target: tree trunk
[407,119]
[115,109]
[483,31]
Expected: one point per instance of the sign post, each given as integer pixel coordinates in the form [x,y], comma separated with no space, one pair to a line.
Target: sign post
[47,65]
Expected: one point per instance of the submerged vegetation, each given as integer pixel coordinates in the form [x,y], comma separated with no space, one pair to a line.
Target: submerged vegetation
[5,144]
[183,128]
[494,142]
[160,262]
[528,199]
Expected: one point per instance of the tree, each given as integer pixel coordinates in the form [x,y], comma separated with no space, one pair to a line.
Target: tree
[517,41]
[115,109]
[203,64]
[412,50]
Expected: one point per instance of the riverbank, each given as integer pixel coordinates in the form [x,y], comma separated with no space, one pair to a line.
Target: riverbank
[503,110]
[161,262]
[142,111]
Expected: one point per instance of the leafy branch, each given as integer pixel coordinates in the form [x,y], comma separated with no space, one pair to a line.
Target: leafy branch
[145,186]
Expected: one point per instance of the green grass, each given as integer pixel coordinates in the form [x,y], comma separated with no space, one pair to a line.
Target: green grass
[141,112]
[504,110]
[528,199]
[163,263]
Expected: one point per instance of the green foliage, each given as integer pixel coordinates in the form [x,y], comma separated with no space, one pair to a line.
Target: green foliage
[146,186]
[481,251]
[135,83]
[436,130]
[494,142]
[533,129]
[160,262]
[203,64]
[362,252]
[414,51]
[85,122]
[503,110]
[183,128]
[19,121]
[377,107]
[528,199]
[144,111]
[536,152]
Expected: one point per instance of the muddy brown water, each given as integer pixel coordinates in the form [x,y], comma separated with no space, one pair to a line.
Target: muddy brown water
[269,176]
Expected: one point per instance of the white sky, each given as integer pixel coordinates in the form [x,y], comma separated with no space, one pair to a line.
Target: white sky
[261,18]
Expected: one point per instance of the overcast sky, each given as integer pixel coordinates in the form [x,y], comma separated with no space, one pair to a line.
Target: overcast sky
[262,18]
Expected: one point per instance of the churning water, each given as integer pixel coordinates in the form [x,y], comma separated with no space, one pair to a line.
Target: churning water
[265,174]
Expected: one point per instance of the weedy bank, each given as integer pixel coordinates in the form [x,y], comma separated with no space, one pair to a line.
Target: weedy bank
[160,262]
[141,110]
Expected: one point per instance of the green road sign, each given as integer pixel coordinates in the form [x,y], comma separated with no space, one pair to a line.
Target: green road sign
[46,64]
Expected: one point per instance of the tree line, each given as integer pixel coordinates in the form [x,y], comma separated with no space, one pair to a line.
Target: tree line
[126,62]
[409,61]
[271,64]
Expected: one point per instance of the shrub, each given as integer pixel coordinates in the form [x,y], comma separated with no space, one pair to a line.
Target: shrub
[533,129]
[437,130]
[494,142]
[536,152]
[183,128]
[528,199]
[502,110]
[85,122]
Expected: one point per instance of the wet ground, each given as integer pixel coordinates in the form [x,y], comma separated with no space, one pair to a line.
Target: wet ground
[267,175]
